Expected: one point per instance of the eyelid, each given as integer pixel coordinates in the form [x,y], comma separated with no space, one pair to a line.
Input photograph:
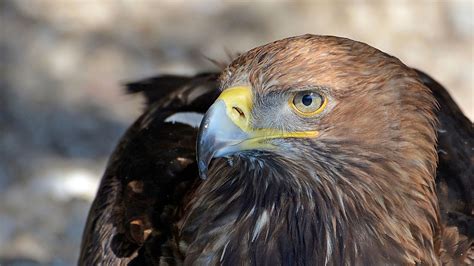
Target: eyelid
[322,90]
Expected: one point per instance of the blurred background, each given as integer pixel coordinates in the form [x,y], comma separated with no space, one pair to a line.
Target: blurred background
[62,107]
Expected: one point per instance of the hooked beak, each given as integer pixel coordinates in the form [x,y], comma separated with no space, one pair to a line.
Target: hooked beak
[223,128]
[226,129]
[218,136]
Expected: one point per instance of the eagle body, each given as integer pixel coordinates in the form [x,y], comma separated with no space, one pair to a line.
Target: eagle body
[354,181]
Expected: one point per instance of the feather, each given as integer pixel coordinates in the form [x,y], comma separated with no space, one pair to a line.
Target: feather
[152,208]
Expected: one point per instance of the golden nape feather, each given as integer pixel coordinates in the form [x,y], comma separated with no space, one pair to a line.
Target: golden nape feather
[312,150]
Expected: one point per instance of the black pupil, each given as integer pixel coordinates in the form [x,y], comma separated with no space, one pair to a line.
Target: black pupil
[307,100]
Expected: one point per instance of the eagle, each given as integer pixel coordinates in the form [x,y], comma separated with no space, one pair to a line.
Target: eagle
[310,150]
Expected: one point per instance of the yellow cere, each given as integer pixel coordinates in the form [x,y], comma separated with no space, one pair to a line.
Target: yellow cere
[241,98]
[239,102]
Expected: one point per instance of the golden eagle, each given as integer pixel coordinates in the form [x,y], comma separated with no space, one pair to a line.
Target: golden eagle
[314,150]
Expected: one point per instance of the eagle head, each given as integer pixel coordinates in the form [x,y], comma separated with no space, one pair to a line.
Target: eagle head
[344,131]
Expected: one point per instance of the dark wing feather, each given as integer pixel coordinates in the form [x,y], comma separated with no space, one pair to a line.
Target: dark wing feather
[455,172]
[148,174]
[165,88]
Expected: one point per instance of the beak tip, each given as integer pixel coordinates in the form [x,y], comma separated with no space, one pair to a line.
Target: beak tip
[202,170]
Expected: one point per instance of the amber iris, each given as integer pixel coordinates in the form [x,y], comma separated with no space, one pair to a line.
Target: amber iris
[308,103]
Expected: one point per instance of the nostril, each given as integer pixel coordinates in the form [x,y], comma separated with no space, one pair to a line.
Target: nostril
[239,111]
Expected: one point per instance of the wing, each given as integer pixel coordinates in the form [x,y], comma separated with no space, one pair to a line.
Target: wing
[149,173]
[455,172]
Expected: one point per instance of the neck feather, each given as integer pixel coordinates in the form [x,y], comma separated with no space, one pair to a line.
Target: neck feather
[272,208]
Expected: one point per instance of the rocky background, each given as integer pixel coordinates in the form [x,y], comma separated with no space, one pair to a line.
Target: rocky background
[62,108]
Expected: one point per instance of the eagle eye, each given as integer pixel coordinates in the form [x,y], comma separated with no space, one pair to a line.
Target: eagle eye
[308,103]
